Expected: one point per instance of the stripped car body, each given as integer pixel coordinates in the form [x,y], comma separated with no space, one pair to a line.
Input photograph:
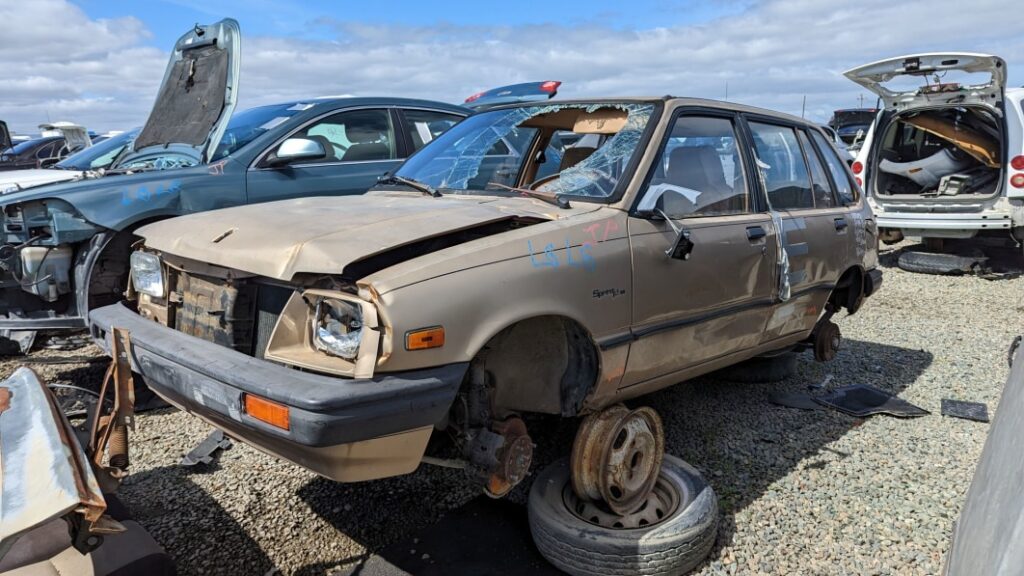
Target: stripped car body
[341,333]
[945,158]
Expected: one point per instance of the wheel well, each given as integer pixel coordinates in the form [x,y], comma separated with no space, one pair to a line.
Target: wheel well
[849,291]
[524,361]
[108,277]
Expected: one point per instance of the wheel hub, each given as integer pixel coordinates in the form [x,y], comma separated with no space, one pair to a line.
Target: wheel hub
[513,458]
[827,340]
[617,456]
[660,503]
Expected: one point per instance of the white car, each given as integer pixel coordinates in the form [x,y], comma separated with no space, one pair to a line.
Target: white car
[96,157]
[944,158]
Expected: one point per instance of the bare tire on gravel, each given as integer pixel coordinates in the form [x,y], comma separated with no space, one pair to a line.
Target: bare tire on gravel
[761,369]
[952,264]
[673,545]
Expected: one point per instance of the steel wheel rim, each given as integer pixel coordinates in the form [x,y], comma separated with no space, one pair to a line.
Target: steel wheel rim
[660,503]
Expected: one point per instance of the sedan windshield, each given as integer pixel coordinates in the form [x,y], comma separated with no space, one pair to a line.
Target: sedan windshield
[562,149]
[246,125]
[100,155]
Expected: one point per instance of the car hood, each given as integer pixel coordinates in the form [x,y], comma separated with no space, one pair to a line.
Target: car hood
[324,235]
[17,180]
[198,93]
[878,76]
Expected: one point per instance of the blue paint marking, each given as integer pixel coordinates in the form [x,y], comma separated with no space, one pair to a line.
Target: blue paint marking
[549,258]
[143,194]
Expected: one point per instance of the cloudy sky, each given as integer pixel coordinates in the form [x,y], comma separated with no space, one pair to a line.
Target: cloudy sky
[99,62]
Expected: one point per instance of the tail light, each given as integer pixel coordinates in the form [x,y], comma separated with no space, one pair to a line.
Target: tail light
[1017,181]
[550,86]
[474,97]
[857,167]
[860,183]
[1017,163]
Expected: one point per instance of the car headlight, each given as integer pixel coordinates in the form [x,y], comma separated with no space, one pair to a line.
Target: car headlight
[337,327]
[147,274]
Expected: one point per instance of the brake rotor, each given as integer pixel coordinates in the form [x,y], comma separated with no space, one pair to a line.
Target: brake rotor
[617,456]
[827,340]
[514,457]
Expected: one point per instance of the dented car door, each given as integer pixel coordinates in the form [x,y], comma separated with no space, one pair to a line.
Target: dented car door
[689,308]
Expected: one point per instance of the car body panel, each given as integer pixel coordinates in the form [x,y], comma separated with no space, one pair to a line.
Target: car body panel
[198,93]
[45,473]
[875,75]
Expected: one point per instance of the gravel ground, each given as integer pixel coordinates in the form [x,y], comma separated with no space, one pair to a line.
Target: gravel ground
[801,492]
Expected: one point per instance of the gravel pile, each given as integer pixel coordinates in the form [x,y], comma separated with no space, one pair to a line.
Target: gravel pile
[813,492]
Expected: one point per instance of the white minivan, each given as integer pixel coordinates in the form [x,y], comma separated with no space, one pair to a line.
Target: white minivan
[945,156]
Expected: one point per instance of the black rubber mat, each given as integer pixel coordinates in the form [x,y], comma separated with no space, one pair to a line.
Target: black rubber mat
[967,410]
[795,400]
[861,400]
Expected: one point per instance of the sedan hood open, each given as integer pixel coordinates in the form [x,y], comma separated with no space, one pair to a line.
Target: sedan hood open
[198,93]
[323,235]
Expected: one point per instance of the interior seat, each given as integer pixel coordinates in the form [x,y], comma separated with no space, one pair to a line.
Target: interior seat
[366,144]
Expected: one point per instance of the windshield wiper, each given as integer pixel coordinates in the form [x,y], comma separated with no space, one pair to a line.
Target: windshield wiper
[414,184]
[554,199]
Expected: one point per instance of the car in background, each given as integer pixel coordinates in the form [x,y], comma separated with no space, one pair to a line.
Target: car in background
[34,153]
[945,159]
[841,147]
[67,244]
[476,287]
[851,124]
[99,156]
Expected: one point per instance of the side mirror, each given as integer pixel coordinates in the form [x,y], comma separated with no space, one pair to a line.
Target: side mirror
[652,206]
[296,149]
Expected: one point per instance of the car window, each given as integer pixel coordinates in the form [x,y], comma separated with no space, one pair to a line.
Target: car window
[100,155]
[845,189]
[353,136]
[782,167]
[701,161]
[425,125]
[824,196]
[49,150]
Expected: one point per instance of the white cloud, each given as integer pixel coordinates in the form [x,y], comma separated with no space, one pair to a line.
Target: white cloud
[771,54]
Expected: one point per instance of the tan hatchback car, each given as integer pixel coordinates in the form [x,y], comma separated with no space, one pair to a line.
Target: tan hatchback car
[554,258]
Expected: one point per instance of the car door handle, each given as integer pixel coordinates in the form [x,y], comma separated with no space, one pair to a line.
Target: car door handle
[841,223]
[755,233]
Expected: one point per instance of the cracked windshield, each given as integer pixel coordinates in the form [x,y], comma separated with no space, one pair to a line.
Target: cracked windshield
[574,150]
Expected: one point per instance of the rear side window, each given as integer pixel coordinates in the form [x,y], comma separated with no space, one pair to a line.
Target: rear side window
[782,167]
[823,195]
[425,125]
[844,188]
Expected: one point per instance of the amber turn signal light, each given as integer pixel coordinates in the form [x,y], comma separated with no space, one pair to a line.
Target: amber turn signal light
[266,411]
[425,338]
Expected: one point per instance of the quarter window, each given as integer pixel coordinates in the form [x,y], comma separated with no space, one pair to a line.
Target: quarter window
[847,192]
[701,162]
[823,195]
[425,125]
[782,167]
[356,135]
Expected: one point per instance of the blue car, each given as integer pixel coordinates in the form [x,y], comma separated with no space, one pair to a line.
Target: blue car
[65,246]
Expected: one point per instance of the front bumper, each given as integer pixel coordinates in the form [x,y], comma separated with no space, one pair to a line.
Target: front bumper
[342,428]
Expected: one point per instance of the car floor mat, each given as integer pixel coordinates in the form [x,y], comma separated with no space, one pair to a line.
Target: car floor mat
[795,400]
[967,410]
[861,401]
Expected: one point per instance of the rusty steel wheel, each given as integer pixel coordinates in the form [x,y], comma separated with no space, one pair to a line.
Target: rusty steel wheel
[616,457]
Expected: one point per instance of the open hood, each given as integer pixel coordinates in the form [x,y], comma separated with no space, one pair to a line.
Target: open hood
[198,94]
[5,136]
[890,79]
[75,137]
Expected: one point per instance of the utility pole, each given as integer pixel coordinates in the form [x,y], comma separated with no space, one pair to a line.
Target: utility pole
[803,107]
[727,90]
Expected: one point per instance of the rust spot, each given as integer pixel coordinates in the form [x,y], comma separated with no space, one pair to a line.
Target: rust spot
[5,398]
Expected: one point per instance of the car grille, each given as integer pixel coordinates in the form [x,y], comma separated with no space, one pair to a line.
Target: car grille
[239,314]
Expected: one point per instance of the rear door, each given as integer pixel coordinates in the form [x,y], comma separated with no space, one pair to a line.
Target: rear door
[930,79]
[815,225]
[361,144]
[715,302]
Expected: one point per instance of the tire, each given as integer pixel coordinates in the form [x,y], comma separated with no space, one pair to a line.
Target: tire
[675,545]
[943,264]
[760,370]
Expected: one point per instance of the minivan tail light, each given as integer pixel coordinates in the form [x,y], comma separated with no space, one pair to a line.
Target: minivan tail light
[1017,163]
[1017,181]
[857,167]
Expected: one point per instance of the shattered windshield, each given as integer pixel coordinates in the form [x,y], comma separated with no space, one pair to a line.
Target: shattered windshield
[562,149]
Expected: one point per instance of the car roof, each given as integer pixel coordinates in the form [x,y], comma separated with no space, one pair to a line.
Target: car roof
[674,100]
[359,101]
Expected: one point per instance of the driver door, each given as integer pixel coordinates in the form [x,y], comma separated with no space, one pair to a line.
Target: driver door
[361,146]
[713,300]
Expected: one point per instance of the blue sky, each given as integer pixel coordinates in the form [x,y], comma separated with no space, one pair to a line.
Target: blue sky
[771,53]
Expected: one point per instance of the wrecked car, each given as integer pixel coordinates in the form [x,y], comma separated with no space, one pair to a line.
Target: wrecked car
[56,142]
[96,157]
[65,246]
[946,157]
[360,336]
